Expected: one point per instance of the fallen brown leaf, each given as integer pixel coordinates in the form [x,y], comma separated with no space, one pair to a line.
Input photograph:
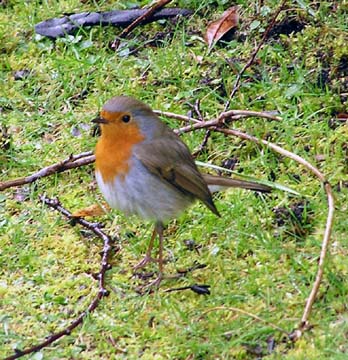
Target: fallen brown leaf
[217,29]
[93,210]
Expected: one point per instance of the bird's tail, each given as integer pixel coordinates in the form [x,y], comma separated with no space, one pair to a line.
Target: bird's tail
[218,183]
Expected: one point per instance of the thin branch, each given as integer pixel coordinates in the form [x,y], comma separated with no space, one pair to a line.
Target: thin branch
[228,115]
[86,158]
[277,149]
[324,248]
[159,5]
[102,292]
[329,221]
[203,144]
[238,114]
[213,124]
[197,109]
[254,53]
[180,117]
[73,161]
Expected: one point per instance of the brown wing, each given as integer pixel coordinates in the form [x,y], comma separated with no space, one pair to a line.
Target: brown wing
[170,159]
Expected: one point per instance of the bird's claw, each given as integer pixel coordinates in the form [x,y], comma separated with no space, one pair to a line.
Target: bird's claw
[152,286]
[155,283]
[147,259]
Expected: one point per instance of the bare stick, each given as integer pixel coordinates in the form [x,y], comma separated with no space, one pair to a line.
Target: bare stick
[238,114]
[86,158]
[253,55]
[116,43]
[203,144]
[324,248]
[71,162]
[102,292]
[277,149]
[180,117]
[228,115]
[213,124]
[329,222]
[197,110]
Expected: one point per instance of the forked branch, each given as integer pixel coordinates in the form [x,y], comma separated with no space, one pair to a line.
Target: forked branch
[102,291]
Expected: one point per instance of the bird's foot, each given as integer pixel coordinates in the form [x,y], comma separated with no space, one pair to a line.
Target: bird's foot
[147,259]
[151,287]
[155,283]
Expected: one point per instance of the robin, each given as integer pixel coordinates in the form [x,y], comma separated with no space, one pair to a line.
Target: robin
[143,168]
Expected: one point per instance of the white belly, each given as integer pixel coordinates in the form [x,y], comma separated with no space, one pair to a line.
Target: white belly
[144,194]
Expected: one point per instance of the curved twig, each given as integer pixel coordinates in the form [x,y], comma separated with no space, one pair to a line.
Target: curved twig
[310,301]
[172,115]
[238,114]
[254,53]
[86,158]
[73,161]
[331,207]
[329,221]
[276,148]
[157,6]
[102,292]
[228,115]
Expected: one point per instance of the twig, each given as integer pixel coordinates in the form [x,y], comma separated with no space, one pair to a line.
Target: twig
[238,114]
[324,248]
[116,43]
[203,144]
[213,124]
[86,158]
[253,55]
[329,222]
[228,115]
[277,149]
[231,308]
[197,109]
[71,162]
[200,289]
[102,292]
[180,117]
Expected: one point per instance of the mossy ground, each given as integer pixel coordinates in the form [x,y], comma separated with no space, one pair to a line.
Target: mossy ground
[258,260]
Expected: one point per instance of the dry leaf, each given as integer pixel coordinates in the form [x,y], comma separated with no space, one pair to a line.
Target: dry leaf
[93,210]
[217,29]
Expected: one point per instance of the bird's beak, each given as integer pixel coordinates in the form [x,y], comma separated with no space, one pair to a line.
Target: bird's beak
[99,120]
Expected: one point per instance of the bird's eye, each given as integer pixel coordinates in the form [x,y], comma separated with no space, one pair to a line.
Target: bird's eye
[126,118]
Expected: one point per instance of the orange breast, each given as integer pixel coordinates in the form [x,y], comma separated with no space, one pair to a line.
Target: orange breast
[114,150]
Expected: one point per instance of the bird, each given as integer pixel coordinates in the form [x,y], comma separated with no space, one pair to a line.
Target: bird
[143,168]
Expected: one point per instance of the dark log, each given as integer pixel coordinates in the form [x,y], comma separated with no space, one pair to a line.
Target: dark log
[58,27]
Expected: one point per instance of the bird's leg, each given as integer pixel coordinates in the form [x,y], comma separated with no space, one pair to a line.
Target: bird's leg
[159,228]
[148,257]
